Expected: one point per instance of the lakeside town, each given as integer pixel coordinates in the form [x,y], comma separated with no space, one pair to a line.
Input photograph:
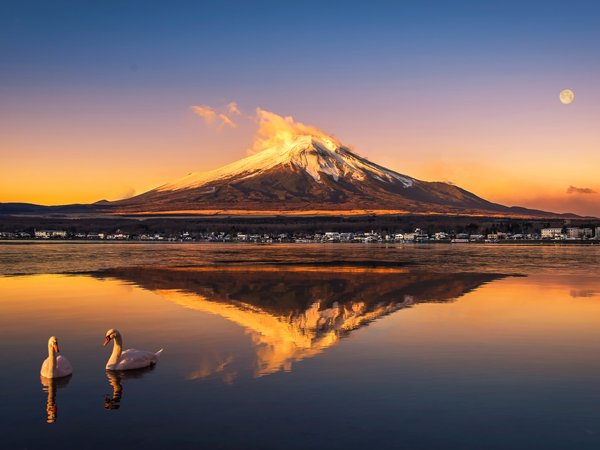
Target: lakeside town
[556,234]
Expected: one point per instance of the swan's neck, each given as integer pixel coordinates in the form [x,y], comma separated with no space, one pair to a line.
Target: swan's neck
[52,357]
[116,353]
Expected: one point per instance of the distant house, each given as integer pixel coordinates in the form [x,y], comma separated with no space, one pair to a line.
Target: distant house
[48,234]
[579,233]
[332,236]
[551,233]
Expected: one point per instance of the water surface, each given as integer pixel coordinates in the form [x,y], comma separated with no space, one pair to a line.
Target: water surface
[304,347]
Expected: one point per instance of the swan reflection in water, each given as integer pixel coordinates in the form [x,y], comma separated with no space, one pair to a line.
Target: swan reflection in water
[116,379]
[50,386]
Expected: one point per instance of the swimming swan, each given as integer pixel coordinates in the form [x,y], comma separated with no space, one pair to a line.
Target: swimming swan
[55,366]
[129,359]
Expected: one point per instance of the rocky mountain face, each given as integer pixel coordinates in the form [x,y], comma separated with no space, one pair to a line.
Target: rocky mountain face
[315,174]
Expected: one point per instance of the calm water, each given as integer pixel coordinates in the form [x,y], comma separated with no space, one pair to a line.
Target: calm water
[341,346]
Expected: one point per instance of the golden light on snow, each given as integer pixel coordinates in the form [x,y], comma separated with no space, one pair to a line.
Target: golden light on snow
[566,96]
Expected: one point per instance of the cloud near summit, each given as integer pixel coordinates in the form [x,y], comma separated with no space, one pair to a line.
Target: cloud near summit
[272,130]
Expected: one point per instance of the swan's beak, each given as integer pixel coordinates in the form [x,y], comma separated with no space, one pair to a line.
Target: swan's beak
[56,347]
[106,340]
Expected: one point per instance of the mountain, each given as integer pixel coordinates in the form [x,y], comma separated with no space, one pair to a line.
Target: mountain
[298,171]
[311,174]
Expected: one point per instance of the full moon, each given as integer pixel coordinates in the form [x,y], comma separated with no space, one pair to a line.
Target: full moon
[567,96]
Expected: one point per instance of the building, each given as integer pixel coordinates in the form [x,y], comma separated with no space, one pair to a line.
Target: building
[551,233]
[597,235]
[117,236]
[579,233]
[332,236]
[47,234]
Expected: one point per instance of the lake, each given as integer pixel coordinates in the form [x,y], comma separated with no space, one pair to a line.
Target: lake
[303,346]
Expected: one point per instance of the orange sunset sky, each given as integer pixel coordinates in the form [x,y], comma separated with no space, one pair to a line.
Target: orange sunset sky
[95,105]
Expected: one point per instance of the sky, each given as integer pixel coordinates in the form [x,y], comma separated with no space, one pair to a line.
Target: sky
[97,99]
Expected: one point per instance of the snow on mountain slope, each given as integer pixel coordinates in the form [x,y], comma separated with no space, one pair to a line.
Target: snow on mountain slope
[316,156]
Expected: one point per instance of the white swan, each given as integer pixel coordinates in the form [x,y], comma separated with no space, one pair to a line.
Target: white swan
[55,366]
[129,359]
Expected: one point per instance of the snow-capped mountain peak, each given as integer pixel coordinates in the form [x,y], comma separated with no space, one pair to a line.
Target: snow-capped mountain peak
[317,156]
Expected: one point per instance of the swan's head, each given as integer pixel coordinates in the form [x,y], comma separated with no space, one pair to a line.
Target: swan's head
[53,343]
[111,334]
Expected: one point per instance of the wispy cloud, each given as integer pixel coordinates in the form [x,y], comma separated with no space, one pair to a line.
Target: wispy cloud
[232,108]
[576,190]
[206,112]
[211,116]
[273,129]
[226,121]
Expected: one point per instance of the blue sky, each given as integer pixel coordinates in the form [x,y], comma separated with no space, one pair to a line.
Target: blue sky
[391,78]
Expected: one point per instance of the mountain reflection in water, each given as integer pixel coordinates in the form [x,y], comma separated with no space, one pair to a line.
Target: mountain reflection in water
[294,313]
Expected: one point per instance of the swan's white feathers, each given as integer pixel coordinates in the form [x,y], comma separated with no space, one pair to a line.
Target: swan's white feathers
[63,368]
[134,359]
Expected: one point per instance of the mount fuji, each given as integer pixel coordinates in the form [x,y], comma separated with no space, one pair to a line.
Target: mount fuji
[310,174]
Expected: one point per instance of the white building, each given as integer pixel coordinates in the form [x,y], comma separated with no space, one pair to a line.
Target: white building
[579,233]
[332,236]
[47,234]
[551,233]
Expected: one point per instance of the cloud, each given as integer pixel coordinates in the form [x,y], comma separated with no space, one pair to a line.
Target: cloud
[226,121]
[274,130]
[211,115]
[585,293]
[576,190]
[232,108]
[206,112]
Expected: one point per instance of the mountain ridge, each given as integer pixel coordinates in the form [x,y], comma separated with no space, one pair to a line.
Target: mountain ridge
[311,173]
[297,174]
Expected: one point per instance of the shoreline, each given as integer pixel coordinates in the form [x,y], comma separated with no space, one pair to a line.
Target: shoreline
[523,242]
